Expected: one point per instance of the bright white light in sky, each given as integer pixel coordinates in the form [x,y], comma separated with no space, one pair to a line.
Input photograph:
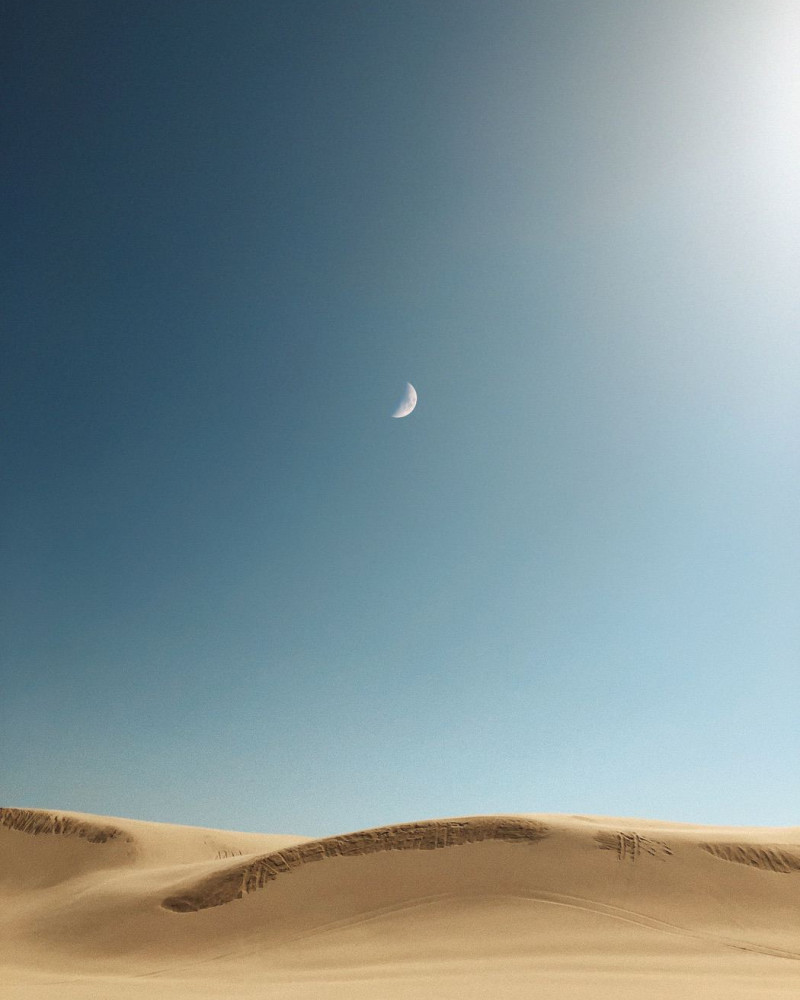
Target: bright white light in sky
[581,221]
[775,125]
[407,403]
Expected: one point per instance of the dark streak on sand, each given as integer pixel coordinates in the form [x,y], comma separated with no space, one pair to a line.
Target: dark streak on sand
[768,858]
[234,883]
[39,821]
[631,846]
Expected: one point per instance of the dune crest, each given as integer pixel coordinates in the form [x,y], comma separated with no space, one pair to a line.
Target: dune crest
[40,821]
[426,836]
[764,856]
[515,906]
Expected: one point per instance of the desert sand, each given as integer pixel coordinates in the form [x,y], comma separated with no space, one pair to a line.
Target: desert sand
[544,906]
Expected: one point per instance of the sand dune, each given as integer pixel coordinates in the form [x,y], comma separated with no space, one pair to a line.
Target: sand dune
[507,906]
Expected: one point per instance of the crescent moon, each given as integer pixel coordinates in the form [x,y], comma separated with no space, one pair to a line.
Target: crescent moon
[407,403]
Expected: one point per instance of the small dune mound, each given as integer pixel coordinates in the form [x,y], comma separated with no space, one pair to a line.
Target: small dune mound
[40,848]
[39,821]
[236,882]
[768,858]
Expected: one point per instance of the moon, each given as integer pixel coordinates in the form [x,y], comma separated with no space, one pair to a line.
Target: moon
[407,403]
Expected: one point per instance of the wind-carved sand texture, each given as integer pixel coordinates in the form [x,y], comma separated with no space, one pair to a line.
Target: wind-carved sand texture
[768,858]
[235,883]
[630,846]
[38,821]
[595,908]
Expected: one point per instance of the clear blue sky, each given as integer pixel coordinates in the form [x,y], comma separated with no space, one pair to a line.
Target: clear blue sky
[235,591]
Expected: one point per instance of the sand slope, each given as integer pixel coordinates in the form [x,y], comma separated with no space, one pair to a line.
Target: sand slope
[509,906]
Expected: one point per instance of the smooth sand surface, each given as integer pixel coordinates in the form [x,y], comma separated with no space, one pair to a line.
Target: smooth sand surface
[516,906]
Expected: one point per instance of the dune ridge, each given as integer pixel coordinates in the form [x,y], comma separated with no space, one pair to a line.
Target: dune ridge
[768,857]
[237,882]
[515,906]
[40,821]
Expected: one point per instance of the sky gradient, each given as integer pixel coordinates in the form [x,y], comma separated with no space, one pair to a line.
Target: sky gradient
[235,592]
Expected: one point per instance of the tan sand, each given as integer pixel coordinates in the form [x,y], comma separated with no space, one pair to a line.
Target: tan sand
[491,906]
